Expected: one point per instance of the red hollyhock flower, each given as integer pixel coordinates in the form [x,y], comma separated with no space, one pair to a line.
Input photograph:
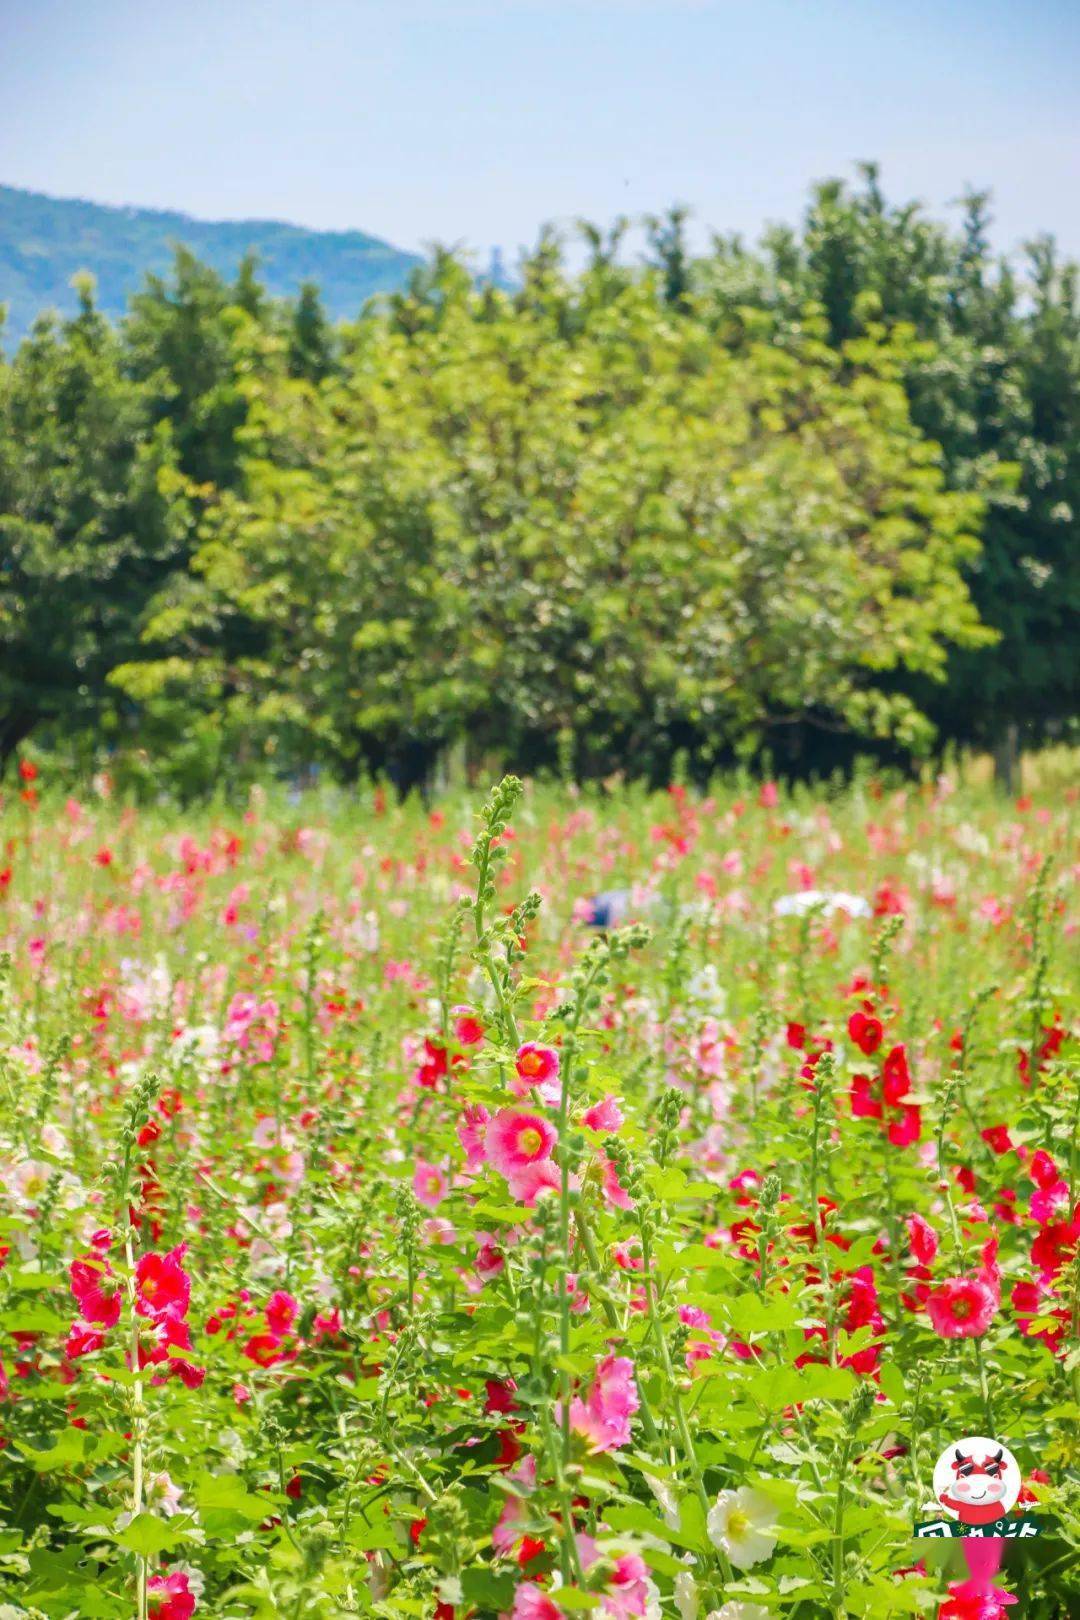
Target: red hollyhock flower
[163,1287]
[281,1312]
[923,1240]
[895,1076]
[866,1031]
[998,1138]
[96,1290]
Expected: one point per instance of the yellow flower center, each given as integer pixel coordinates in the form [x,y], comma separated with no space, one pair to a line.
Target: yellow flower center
[530,1140]
[532,1063]
[738,1524]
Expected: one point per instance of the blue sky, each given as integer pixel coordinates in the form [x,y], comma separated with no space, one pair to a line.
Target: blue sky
[476,120]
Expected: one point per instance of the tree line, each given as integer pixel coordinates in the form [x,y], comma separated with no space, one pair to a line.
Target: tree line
[809,497]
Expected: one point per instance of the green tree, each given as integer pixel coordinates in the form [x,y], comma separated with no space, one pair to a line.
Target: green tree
[86,534]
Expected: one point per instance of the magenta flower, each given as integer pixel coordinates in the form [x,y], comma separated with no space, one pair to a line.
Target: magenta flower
[517,1139]
[603,1417]
[537,1066]
[961,1307]
[429,1184]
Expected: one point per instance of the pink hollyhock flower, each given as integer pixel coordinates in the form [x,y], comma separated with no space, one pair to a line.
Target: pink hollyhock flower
[162,1286]
[517,1139]
[613,1190]
[490,1259]
[429,1184]
[923,1240]
[628,1594]
[506,1534]
[326,1325]
[532,1603]
[472,1134]
[603,1417]
[961,1307]
[605,1115]
[536,1066]
[171,1597]
[96,1290]
[531,1180]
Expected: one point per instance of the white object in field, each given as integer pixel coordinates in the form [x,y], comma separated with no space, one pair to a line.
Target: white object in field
[824,900]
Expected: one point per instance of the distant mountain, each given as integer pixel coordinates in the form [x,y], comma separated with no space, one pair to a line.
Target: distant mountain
[45,240]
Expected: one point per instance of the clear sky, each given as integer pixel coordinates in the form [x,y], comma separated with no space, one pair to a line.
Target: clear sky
[475,120]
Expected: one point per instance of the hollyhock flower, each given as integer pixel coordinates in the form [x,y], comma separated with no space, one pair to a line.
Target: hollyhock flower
[472,1134]
[83,1340]
[531,1180]
[162,1286]
[326,1325]
[490,1259]
[961,1307]
[517,1139]
[96,1290]
[429,1184]
[629,1589]
[266,1350]
[162,1345]
[605,1115]
[923,1240]
[505,1535]
[603,1418]
[435,1064]
[997,1137]
[171,1597]
[614,1192]
[741,1524]
[281,1312]
[740,1611]
[895,1076]
[1055,1245]
[866,1031]
[531,1602]
[30,1179]
[164,1495]
[536,1066]
[468,1028]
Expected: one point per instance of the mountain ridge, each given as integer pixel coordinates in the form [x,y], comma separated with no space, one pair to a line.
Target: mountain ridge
[45,241]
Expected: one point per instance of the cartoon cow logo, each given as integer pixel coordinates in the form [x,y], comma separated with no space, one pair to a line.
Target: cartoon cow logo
[977,1480]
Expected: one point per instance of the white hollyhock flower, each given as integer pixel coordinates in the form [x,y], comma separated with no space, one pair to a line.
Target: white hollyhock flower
[740,1611]
[741,1524]
[686,1595]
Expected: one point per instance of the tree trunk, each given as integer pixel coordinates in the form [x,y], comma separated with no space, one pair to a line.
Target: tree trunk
[1007,759]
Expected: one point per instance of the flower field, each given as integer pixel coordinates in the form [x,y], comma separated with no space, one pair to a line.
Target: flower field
[578,1203]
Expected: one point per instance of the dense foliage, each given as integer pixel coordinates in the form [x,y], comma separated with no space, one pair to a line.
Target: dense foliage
[379,1237]
[723,505]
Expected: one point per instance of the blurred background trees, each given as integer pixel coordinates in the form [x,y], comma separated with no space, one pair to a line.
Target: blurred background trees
[815,497]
